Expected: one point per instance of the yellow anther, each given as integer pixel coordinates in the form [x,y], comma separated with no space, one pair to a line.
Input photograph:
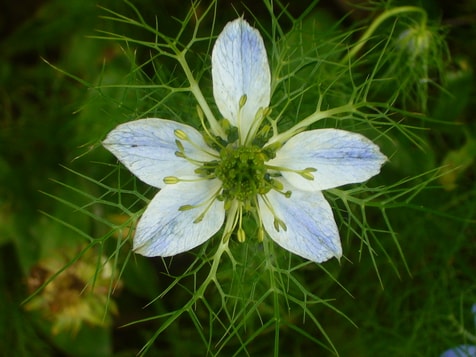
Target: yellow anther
[279,224]
[186,207]
[180,134]
[225,124]
[199,218]
[170,180]
[243,100]
[259,114]
[263,132]
[179,145]
[241,235]
[260,234]
[277,185]
[307,175]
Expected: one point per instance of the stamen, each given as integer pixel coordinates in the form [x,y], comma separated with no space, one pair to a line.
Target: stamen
[240,234]
[260,234]
[199,218]
[181,135]
[179,145]
[262,136]
[206,171]
[231,221]
[243,100]
[257,121]
[277,185]
[186,207]
[267,111]
[305,173]
[209,139]
[273,147]
[181,154]
[277,221]
[170,180]
[207,203]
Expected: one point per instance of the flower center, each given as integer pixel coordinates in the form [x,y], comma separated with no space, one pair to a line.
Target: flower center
[243,172]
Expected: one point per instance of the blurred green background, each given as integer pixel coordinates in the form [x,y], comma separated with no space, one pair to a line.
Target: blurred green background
[49,119]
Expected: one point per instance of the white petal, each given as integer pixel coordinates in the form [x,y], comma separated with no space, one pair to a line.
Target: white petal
[240,67]
[164,230]
[340,157]
[147,148]
[311,231]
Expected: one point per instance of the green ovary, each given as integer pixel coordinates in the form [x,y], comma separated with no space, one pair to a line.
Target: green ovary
[243,172]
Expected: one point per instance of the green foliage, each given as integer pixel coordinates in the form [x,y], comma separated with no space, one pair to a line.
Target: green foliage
[406,281]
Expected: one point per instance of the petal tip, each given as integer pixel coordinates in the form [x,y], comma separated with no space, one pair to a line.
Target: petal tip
[240,68]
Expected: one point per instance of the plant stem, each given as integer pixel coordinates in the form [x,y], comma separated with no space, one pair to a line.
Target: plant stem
[377,22]
[311,119]
[195,89]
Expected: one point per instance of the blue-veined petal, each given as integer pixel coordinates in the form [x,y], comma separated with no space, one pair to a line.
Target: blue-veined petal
[340,157]
[164,230]
[147,148]
[311,231]
[240,67]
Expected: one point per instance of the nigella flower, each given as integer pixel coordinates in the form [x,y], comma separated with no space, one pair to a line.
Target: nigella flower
[211,180]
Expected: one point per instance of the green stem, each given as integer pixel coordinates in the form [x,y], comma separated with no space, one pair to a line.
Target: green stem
[275,292]
[461,330]
[222,248]
[311,119]
[199,294]
[195,89]
[377,22]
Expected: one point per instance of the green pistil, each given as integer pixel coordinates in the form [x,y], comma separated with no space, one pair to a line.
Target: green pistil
[243,173]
